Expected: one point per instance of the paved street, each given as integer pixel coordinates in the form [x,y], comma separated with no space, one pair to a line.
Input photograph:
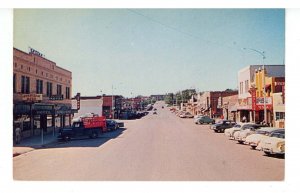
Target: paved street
[156,147]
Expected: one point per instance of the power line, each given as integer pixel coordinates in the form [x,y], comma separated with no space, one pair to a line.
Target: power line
[180,31]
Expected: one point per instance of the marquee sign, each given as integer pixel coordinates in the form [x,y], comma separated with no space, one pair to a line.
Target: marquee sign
[32,97]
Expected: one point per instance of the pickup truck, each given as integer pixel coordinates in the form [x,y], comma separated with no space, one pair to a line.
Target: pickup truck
[87,126]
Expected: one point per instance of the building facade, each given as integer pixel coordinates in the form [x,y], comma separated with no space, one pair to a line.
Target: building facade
[88,104]
[250,91]
[210,103]
[229,105]
[41,92]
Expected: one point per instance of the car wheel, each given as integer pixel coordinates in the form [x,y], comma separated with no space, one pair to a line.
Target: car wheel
[267,153]
[240,142]
[201,122]
[94,135]
[222,130]
[253,147]
[67,138]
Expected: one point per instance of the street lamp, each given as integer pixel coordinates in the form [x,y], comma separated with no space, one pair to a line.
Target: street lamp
[264,81]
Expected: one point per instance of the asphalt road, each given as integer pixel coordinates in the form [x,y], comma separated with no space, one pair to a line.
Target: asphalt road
[156,147]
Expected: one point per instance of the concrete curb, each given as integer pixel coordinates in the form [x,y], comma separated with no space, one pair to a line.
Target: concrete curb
[26,149]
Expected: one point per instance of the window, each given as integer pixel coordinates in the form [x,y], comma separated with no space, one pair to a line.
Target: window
[36,71]
[14,83]
[280,115]
[25,85]
[39,86]
[67,92]
[49,89]
[58,91]
[16,64]
[246,85]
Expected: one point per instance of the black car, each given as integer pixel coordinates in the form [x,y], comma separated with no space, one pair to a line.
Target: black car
[220,126]
[113,125]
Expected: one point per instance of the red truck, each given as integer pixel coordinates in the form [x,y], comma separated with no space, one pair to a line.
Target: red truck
[86,126]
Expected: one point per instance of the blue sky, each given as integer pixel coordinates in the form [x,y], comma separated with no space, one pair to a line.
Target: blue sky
[152,51]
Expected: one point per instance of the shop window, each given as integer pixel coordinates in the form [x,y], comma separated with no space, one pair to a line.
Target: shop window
[280,115]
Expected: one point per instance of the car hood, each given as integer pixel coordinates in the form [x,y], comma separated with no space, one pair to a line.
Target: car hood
[255,138]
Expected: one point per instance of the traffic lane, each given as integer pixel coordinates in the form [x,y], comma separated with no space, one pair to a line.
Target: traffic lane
[235,161]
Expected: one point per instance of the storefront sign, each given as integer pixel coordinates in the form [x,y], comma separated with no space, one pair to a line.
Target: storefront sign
[33,51]
[56,97]
[32,97]
[260,103]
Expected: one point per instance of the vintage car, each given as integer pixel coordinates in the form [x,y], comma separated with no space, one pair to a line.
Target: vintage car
[204,119]
[229,132]
[254,139]
[186,115]
[221,125]
[246,130]
[274,144]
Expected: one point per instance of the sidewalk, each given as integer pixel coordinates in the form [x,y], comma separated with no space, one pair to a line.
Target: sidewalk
[34,142]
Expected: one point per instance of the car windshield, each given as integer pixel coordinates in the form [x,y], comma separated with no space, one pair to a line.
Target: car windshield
[261,132]
[278,135]
[237,126]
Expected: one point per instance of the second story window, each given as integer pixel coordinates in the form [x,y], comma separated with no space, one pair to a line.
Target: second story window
[58,91]
[39,86]
[14,83]
[67,92]
[25,85]
[49,89]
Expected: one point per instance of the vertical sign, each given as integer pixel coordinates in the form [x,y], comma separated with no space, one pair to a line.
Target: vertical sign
[253,95]
[78,100]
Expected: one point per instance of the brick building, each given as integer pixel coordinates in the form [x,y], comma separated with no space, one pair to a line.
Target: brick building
[41,92]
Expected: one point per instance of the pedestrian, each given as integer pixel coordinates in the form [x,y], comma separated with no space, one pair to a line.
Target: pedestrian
[244,119]
[18,135]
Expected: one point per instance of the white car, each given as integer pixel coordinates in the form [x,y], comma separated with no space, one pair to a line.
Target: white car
[254,139]
[274,144]
[229,132]
[246,130]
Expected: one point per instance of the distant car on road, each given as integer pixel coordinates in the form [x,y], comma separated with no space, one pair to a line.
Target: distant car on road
[222,125]
[186,115]
[230,131]
[204,119]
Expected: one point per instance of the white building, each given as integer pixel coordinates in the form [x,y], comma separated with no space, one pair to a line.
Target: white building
[88,105]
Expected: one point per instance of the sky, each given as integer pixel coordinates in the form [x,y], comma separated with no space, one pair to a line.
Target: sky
[152,51]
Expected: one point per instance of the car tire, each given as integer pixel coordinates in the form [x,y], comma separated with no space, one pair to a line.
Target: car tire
[253,147]
[222,130]
[94,135]
[267,153]
[67,138]
[240,142]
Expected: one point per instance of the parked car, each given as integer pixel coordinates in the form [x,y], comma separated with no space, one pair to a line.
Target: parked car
[222,125]
[204,119]
[113,125]
[259,146]
[244,131]
[197,116]
[274,144]
[230,131]
[186,115]
[254,139]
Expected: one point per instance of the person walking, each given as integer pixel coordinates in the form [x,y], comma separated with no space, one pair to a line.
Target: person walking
[18,134]
[244,120]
